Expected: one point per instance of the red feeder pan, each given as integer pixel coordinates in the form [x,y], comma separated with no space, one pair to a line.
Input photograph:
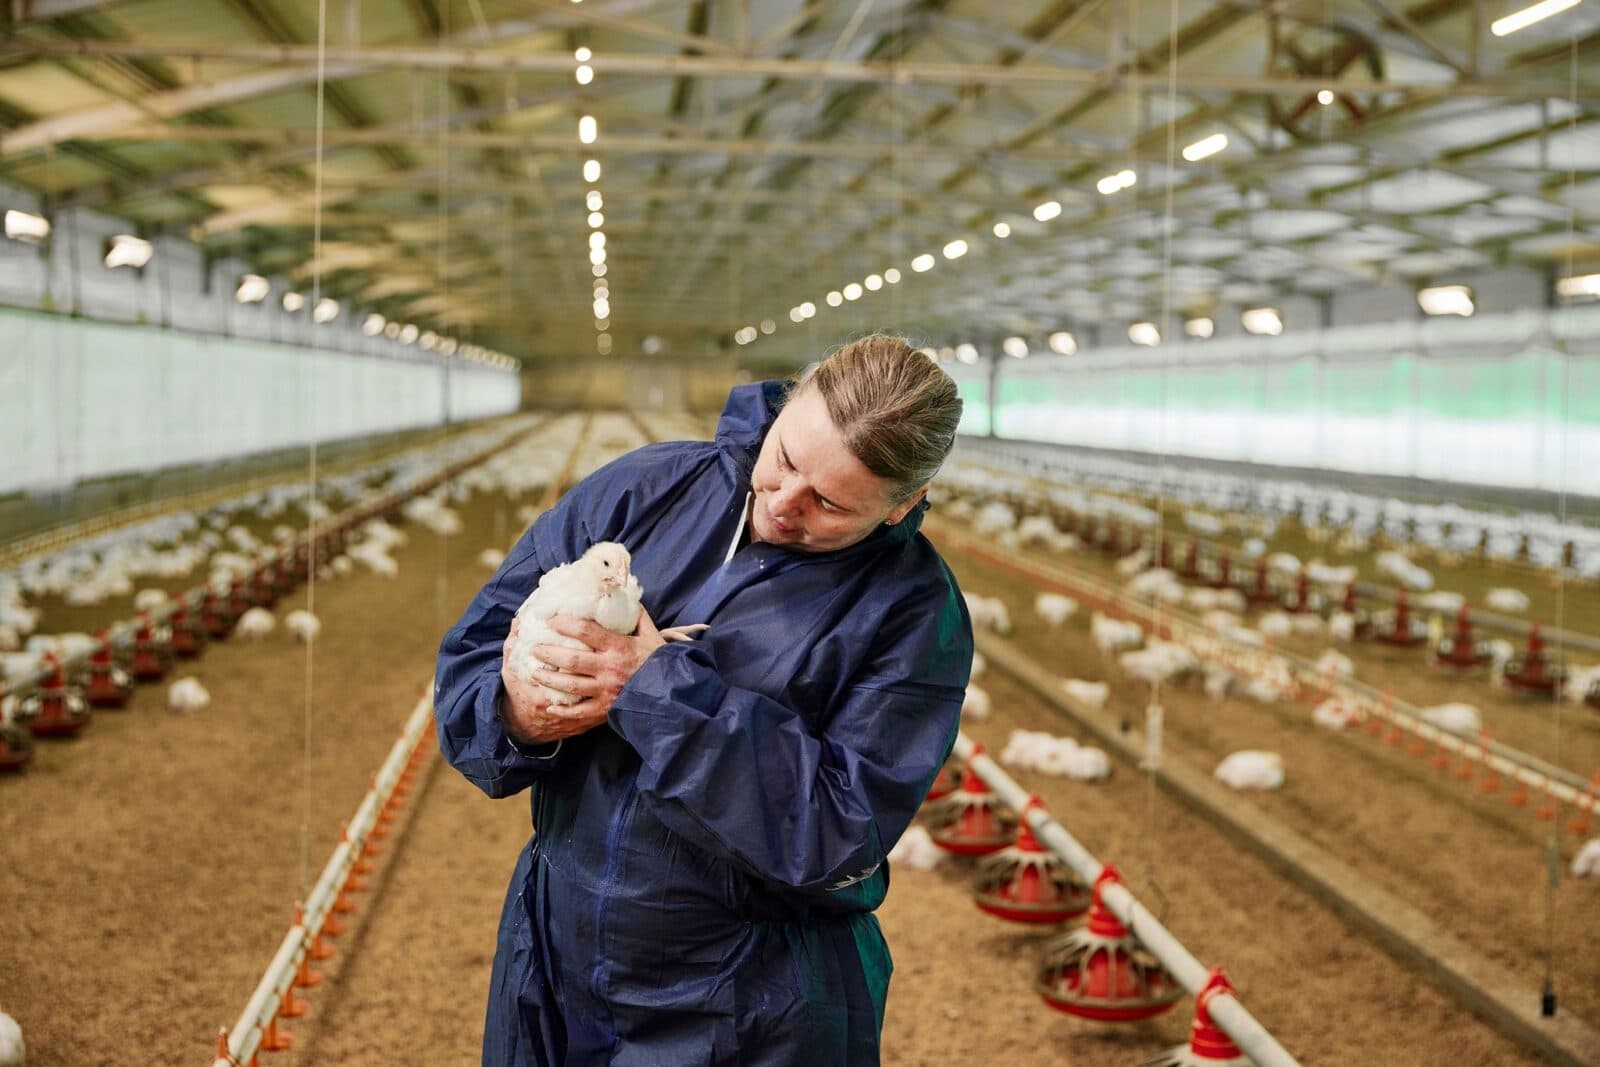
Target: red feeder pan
[1403,631]
[1098,971]
[152,650]
[217,616]
[1363,621]
[1191,563]
[946,783]
[971,821]
[1028,884]
[239,600]
[16,745]
[264,587]
[1459,650]
[54,709]
[1301,601]
[1208,1046]
[109,685]
[188,632]
[1532,672]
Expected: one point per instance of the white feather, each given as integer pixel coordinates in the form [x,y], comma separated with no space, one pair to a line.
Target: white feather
[598,586]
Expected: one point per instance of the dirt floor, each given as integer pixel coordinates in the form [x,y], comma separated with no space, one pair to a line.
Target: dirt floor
[1468,859]
[158,856]
[161,854]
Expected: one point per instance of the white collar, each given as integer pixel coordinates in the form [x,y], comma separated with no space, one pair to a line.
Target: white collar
[734,544]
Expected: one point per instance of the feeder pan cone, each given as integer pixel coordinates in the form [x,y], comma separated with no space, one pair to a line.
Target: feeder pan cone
[1459,650]
[971,821]
[16,747]
[1404,631]
[1532,671]
[1208,1046]
[1026,883]
[1099,971]
[109,685]
[54,709]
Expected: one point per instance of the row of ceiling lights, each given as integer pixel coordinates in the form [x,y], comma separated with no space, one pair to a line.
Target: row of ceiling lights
[1262,321]
[1451,300]
[127,251]
[594,202]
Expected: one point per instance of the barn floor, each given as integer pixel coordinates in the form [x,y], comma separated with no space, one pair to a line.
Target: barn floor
[164,855]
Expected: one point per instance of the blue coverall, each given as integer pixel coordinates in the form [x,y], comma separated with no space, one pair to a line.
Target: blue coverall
[700,883]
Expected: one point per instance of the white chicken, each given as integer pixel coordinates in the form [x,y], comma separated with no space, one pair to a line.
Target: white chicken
[975,704]
[1251,769]
[13,1052]
[1456,718]
[491,558]
[1158,662]
[255,624]
[304,625]
[1275,624]
[187,694]
[375,557]
[1054,608]
[916,850]
[1333,714]
[1586,864]
[1334,664]
[1113,635]
[341,565]
[1342,626]
[1510,600]
[989,611]
[148,599]
[598,585]
[1092,694]
[979,664]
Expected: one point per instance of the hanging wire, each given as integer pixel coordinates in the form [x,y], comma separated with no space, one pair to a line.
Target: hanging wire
[1553,843]
[311,465]
[441,598]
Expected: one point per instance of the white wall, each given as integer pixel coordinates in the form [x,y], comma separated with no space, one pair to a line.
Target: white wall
[82,399]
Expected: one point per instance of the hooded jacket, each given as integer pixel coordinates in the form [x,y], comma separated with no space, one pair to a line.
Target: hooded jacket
[699,885]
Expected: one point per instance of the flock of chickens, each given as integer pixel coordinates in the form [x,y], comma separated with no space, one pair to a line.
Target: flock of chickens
[969,494]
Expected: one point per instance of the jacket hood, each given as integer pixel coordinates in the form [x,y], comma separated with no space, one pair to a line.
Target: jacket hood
[746,418]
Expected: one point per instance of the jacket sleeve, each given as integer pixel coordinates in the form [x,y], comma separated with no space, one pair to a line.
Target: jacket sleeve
[740,774]
[467,690]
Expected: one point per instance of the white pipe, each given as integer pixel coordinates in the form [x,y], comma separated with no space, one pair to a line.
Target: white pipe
[1225,1009]
[244,1040]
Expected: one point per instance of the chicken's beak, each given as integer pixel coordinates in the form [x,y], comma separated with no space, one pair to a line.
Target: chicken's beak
[610,582]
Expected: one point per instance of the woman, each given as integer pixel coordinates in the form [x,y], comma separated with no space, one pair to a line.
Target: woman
[711,819]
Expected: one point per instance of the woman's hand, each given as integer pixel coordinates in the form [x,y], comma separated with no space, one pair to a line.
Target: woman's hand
[598,672]
[531,719]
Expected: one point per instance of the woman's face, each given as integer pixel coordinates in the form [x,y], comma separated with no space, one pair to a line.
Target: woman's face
[811,493]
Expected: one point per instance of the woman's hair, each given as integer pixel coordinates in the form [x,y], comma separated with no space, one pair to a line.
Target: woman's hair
[897,410]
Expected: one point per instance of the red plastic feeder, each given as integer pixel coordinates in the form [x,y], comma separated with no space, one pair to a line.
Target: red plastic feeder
[1260,591]
[971,821]
[109,685]
[1191,563]
[1302,599]
[54,709]
[1532,671]
[264,586]
[239,600]
[1208,1046]
[283,574]
[1459,650]
[188,632]
[1098,971]
[152,650]
[1363,621]
[1403,631]
[217,615]
[1028,884]
[946,783]
[16,745]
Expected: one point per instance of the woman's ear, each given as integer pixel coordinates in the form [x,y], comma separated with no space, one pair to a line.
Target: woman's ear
[902,509]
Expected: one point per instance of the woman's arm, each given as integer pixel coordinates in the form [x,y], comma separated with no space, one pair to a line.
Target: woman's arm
[740,774]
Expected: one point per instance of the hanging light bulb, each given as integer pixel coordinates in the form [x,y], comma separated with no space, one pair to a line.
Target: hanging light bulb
[293,302]
[591,170]
[1015,347]
[327,310]
[955,249]
[593,200]
[373,325]
[852,291]
[1264,322]
[588,129]
[1200,327]
[1144,333]
[1002,230]
[1048,210]
[873,282]
[923,263]
[892,275]
[1063,343]
[252,289]
[26,226]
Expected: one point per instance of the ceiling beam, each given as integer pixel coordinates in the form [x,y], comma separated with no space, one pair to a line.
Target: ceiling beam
[290,57]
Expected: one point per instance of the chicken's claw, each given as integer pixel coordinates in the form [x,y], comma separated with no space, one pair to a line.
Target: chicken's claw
[684,633]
